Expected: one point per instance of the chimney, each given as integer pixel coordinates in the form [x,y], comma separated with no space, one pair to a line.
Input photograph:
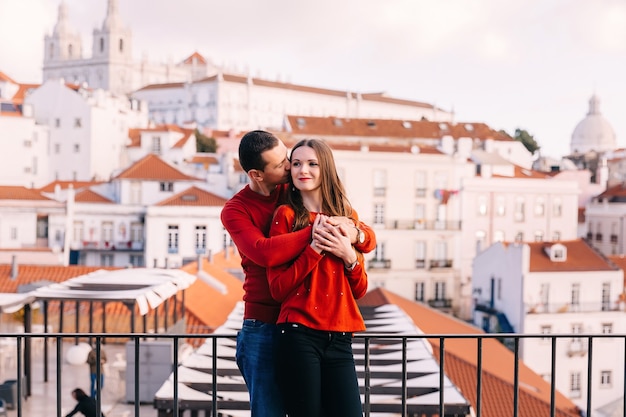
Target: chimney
[199,262]
[14,269]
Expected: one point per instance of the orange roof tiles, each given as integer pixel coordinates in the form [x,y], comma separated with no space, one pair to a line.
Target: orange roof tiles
[88,196]
[151,167]
[11,192]
[193,196]
[399,129]
[461,358]
[49,188]
[207,303]
[28,274]
[580,257]
[195,58]
[4,77]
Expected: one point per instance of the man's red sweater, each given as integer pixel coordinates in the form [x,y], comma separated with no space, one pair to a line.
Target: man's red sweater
[247,217]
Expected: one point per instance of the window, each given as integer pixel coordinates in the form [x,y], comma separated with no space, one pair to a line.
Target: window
[156,145]
[121,45]
[575,296]
[577,328]
[482,206]
[519,237]
[42,227]
[57,122]
[546,330]
[480,240]
[78,122]
[57,148]
[101,44]
[556,236]
[107,231]
[500,206]
[606,296]
[557,207]
[540,207]
[13,233]
[172,238]
[200,239]
[166,186]
[78,231]
[607,328]
[519,211]
[545,296]
[379,213]
[379,252]
[538,235]
[420,184]
[420,254]
[28,143]
[440,290]
[136,260]
[135,192]
[136,232]
[76,148]
[380,182]
[606,379]
[420,216]
[574,384]
[419,291]
[106,260]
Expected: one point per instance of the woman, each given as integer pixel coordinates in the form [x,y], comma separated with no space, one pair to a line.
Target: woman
[318,292]
[86,404]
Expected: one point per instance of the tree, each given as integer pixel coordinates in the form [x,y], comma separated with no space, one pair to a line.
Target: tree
[205,143]
[527,139]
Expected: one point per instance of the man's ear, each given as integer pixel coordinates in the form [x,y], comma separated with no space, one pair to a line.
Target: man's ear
[255,175]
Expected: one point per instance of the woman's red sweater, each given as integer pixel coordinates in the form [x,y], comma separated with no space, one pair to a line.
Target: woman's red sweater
[316,290]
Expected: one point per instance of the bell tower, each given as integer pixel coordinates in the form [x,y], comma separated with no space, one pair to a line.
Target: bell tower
[63,45]
[112,52]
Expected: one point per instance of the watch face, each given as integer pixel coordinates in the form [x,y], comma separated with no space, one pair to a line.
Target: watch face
[361,236]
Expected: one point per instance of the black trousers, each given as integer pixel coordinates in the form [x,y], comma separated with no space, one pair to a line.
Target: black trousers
[316,372]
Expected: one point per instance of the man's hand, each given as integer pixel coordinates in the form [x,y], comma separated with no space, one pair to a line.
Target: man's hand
[348,226]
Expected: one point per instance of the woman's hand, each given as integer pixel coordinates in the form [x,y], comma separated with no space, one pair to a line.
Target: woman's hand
[334,239]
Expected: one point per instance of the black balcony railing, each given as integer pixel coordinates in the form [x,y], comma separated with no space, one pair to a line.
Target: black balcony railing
[215,401]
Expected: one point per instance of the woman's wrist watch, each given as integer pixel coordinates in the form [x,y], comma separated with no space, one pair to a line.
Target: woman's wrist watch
[360,236]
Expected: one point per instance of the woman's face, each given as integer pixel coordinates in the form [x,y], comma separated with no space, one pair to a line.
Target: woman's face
[305,169]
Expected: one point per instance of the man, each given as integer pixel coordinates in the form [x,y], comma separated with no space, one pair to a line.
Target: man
[93,369]
[246,217]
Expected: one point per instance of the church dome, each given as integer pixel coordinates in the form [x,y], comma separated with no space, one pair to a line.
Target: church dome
[594,132]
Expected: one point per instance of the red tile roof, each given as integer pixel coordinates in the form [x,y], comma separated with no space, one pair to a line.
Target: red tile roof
[194,57]
[206,303]
[151,167]
[461,363]
[49,188]
[193,196]
[89,196]
[392,129]
[580,257]
[11,192]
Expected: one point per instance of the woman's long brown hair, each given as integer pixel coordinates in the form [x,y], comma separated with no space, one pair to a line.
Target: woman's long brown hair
[334,199]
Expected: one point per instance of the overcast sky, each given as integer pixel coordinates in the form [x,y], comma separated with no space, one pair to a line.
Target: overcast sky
[530,64]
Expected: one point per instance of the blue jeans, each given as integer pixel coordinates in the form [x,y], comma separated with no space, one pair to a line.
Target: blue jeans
[255,359]
[317,372]
[94,379]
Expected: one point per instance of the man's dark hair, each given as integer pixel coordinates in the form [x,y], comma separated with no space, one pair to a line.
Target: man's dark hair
[252,145]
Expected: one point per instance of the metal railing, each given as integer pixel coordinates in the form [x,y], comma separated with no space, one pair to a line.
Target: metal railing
[365,362]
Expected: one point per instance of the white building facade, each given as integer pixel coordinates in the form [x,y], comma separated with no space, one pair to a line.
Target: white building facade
[556,288]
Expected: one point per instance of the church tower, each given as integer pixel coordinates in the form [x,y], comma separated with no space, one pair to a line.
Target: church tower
[62,46]
[112,52]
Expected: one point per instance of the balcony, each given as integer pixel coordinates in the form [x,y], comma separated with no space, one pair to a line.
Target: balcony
[44,379]
[562,308]
[440,303]
[577,347]
[379,264]
[421,224]
[440,263]
[108,245]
